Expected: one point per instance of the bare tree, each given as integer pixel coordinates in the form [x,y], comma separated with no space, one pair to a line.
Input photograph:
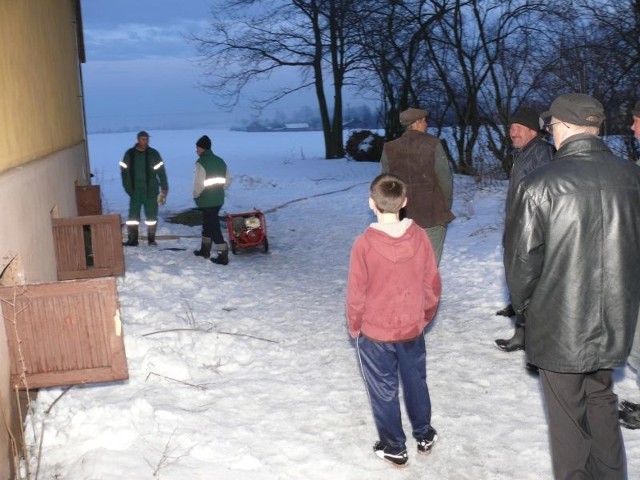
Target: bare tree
[514,36]
[606,52]
[390,35]
[597,51]
[310,37]
[470,62]
[485,57]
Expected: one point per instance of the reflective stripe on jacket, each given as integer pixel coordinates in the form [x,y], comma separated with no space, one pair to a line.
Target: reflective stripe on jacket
[210,193]
[154,171]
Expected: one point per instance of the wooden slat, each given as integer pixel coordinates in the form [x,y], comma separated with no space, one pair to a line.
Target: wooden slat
[64,333]
[88,247]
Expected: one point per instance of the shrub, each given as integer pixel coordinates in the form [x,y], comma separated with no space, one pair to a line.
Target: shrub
[364,146]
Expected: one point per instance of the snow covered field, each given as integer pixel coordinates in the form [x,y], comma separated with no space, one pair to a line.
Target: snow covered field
[246,371]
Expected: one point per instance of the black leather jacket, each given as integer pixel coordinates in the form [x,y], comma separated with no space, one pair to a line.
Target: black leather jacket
[534,154]
[572,257]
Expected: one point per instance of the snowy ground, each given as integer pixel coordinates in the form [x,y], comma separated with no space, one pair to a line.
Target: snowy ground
[246,371]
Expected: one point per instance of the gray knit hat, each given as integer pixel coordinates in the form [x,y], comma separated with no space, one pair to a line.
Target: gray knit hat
[636,109]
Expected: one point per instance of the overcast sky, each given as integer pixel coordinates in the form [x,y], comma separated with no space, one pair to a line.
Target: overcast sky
[141,72]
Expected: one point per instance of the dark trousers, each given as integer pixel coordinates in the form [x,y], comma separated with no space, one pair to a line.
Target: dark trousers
[383,366]
[586,442]
[211,224]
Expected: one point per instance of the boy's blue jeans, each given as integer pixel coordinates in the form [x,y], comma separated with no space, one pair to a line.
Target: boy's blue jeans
[383,366]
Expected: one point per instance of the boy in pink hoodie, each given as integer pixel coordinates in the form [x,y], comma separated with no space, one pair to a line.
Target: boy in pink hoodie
[393,292]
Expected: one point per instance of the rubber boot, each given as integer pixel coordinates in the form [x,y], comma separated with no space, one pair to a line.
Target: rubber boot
[514,343]
[132,236]
[223,254]
[205,248]
[151,235]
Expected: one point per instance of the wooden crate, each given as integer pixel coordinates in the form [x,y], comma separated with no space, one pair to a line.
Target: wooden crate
[88,246]
[64,333]
[88,200]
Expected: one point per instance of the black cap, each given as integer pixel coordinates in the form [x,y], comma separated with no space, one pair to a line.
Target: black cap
[577,109]
[204,142]
[527,117]
[142,133]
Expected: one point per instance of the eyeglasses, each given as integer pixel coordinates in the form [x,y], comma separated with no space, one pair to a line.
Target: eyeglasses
[548,127]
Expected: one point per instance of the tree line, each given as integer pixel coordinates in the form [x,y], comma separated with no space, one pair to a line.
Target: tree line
[355,116]
[471,63]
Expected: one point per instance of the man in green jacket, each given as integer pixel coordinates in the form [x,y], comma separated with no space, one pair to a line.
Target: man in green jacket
[210,181]
[143,177]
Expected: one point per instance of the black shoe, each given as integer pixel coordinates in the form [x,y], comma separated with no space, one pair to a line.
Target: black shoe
[514,343]
[509,345]
[629,406]
[532,369]
[507,311]
[629,419]
[385,452]
[426,443]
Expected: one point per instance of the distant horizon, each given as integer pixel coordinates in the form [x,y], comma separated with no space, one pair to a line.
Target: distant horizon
[186,121]
[142,72]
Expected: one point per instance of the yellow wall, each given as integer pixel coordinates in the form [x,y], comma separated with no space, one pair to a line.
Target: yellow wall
[42,153]
[40,94]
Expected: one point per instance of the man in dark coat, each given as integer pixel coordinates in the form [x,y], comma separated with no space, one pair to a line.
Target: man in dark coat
[143,178]
[531,150]
[572,241]
[420,160]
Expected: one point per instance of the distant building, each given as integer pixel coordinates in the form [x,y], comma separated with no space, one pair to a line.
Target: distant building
[299,127]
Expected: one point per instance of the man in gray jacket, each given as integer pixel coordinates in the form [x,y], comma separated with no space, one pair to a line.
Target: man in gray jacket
[531,150]
[572,241]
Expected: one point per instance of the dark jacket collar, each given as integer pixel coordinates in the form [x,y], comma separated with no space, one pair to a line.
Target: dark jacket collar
[581,143]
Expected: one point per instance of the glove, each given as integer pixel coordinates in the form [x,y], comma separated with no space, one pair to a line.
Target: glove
[162,198]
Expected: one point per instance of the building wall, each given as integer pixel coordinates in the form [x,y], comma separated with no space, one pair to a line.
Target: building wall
[40,90]
[42,153]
